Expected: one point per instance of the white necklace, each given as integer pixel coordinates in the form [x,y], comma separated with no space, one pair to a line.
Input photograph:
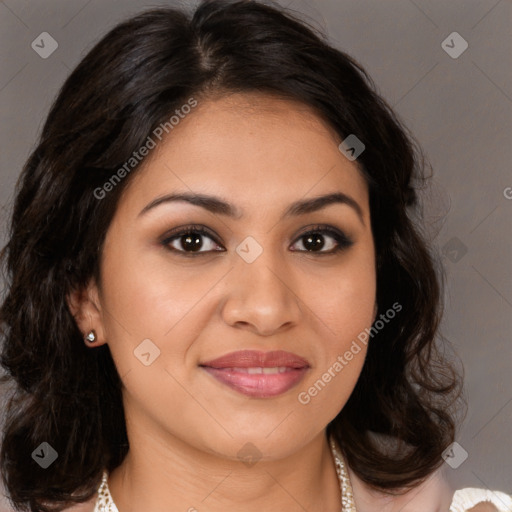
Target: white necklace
[105,503]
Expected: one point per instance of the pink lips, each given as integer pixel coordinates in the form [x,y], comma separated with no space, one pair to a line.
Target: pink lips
[258,374]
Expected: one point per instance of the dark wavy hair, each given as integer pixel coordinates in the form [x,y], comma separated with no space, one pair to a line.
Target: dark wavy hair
[128,84]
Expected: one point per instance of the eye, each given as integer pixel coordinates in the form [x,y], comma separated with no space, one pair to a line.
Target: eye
[188,241]
[314,240]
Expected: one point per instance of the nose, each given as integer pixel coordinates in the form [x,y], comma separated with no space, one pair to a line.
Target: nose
[262,296]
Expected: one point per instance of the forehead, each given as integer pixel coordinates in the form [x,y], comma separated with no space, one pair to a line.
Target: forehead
[250,148]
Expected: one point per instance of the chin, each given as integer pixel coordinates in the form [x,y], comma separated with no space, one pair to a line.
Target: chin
[257,443]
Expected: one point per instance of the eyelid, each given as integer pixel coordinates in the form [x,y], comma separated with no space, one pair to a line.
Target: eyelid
[189,228]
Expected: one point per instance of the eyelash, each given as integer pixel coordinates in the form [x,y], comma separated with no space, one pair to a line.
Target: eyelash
[343,241]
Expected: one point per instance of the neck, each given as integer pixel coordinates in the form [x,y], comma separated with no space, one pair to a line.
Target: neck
[165,474]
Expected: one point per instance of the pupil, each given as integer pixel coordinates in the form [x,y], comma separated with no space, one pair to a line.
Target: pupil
[194,241]
[314,241]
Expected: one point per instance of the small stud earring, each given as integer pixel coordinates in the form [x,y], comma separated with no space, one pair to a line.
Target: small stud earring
[91,337]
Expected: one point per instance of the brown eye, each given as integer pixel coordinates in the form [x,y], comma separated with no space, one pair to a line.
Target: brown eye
[190,241]
[314,241]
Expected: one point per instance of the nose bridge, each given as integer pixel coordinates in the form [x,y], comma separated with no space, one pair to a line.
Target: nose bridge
[261,266]
[260,291]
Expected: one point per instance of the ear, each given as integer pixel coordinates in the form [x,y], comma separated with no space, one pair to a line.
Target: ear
[85,306]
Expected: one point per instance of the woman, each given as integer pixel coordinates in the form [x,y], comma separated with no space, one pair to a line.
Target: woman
[217,297]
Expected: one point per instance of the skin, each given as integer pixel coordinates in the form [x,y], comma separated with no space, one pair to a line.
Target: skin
[484,507]
[185,428]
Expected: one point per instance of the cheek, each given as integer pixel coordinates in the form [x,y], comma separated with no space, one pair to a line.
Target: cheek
[347,312]
[143,299]
[345,305]
[146,294]
[348,307]
[347,299]
[344,347]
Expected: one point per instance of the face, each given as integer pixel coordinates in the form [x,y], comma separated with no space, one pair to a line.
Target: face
[185,284]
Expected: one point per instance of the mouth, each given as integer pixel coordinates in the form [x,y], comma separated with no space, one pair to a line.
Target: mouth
[258,374]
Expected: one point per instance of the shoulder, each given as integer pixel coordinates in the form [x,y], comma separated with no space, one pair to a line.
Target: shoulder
[480,500]
[433,495]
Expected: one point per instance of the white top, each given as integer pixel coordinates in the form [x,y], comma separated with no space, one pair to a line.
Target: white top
[465,499]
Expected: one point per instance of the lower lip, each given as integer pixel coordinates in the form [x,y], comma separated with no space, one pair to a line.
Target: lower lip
[258,385]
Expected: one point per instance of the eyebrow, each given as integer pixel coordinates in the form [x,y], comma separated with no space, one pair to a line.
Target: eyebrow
[219,206]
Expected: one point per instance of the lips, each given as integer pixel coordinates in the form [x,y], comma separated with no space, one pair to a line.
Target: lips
[258,374]
[253,359]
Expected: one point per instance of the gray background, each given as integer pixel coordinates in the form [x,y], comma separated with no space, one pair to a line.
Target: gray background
[458,109]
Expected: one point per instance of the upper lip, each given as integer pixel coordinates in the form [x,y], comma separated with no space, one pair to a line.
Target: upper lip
[254,359]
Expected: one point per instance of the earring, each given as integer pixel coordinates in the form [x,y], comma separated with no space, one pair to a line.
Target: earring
[91,337]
